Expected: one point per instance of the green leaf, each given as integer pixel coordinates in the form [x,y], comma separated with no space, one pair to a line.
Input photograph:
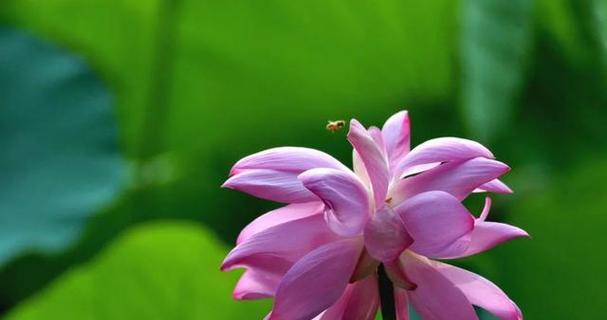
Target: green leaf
[60,160]
[200,84]
[495,38]
[117,37]
[165,270]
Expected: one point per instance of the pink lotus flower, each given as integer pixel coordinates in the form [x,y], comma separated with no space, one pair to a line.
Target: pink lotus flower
[318,255]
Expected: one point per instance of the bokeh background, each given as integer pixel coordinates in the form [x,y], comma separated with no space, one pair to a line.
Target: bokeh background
[120,119]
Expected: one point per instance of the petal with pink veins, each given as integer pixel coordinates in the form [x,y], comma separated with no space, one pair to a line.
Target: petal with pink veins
[360,301]
[458,178]
[376,135]
[373,158]
[279,216]
[288,159]
[495,186]
[257,284]
[385,235]
[397,137]
[485,236]
[272,174]
[435,297]
[271,185]
[316,281]
[481,292]
[288,241]
[359,169]
[440,150]
[345,197]
[435,220]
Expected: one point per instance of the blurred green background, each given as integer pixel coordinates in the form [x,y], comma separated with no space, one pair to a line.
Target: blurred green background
[120,119]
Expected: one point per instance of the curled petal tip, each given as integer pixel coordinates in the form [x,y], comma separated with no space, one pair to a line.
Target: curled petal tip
[227,185]
[240,295]
[355,125]
[228,263]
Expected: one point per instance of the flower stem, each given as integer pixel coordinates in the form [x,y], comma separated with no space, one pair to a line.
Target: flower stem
[386,295]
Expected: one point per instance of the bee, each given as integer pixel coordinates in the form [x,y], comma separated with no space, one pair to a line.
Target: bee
[333,126]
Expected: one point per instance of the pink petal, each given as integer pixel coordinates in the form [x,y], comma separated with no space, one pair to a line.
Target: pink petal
[481,292]
[359,169]
[365,266]
[458,178]
[402,304]
[397,137]
[288,242]
[345,197]
[256,284]
[435,220]
[441,150]
[373,159]
[316,281]
[495,186]
[385,235]
[288,159]
[397,275]
[378,138]
[272,174]
[435,297]
[486,208]
[280,216]
[271,185]
[485,235]
[360,301]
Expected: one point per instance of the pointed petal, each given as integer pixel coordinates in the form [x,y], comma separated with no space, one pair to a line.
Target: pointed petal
[316,281]
[360,301]
[280,216]
[458,178]
[385,235]
[256,284]
[397,137]
[345,197]
[495,186]
[402,304]
[272,174]
[359,169]
[441,150]
[288,159]
[373,159]
[376,135]
[435,220]
[481,292]
[271,185]
[485,236]
[435,297]
[288,241]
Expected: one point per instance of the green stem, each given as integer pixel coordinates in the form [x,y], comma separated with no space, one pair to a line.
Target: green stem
[386,295]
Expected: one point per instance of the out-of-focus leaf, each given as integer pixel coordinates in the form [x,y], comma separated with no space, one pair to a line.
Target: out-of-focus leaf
[599,10]
[495,39]
[203,83]
[116,36]
[60,160]
[164,270]
[560,272]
